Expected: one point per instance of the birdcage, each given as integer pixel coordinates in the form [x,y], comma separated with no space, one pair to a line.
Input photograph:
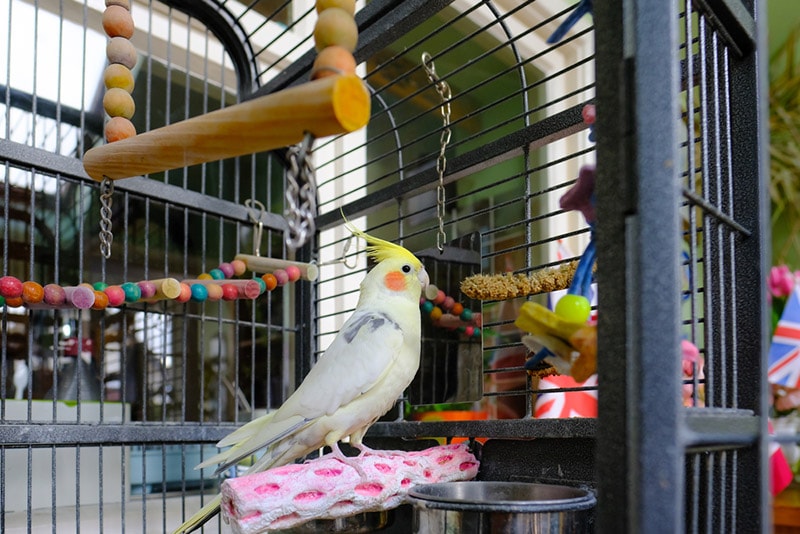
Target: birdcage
[481,121]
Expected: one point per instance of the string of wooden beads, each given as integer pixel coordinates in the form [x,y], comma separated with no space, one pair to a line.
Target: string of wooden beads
[444,311]
[217,284]
[335,38]
[118,100]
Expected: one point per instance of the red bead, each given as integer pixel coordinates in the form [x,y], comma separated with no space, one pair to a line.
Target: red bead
[588,114]
[229,292]
[457,309]
[10,287]
[293,271]
[116,295]
[440,296]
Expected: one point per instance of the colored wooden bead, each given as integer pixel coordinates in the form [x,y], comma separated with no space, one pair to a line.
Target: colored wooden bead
[14,302]
[205,276]
[281,276]
[229,292]
[32,292]
[118,22]
[132,292]
[293,272]
[214,292]
[100,300]
[122,3]
[457,309]
[118,103]
[347,5]
[185,293]
[119,76]
[10,287]
[115,294]
[2,301]
[448,303]
[147,288]
[465,315]
[227,269]
[54,295]
[120,50]
[261,283]
[436,313]
[119,128]
[199,292]
[239,267]
[217,274]
[439,298]
[270,281]
[335,27]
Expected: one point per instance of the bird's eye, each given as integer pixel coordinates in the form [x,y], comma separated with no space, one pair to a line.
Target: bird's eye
[406,268]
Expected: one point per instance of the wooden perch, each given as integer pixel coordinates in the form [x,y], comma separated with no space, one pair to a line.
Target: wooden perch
[328,106]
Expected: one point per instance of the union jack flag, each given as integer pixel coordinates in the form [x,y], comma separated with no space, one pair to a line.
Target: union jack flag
[566,404]
[784,354]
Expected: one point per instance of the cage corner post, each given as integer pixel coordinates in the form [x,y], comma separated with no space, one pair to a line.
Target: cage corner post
[639,450]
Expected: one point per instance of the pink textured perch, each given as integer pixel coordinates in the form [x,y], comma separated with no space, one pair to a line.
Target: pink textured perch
[327,488]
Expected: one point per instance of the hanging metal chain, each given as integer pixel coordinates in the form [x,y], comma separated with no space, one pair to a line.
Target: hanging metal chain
[443,88]
[301,195]
[106,200]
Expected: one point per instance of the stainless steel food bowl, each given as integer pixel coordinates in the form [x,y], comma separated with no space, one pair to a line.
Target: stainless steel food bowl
[501,507]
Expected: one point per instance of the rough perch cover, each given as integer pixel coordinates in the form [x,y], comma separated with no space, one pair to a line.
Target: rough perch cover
[327,488]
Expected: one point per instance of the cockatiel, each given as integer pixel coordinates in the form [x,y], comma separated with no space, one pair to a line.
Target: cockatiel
[371,361]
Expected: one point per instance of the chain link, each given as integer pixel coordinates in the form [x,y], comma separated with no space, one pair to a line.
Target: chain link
[106,200]
[443,88]
[301,195]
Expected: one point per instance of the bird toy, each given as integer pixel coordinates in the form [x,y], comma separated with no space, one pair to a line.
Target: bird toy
[444,311]
[564,337]
[217,284]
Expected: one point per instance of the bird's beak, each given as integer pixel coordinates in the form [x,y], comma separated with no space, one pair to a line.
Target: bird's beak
[424,280]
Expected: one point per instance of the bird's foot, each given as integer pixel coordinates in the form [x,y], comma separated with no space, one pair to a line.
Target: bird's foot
[352,461]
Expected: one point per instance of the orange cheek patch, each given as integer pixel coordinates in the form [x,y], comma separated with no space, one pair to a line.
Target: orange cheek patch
[395,280]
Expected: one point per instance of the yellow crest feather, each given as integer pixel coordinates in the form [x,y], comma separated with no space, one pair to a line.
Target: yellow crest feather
[379,249]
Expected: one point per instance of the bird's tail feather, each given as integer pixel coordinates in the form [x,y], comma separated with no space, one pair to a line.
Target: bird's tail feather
[200,517]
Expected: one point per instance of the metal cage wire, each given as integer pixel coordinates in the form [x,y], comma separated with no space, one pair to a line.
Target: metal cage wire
[681,249]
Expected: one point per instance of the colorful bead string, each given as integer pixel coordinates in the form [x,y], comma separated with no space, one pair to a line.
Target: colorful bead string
[217,284]
[445,312]
[118,101]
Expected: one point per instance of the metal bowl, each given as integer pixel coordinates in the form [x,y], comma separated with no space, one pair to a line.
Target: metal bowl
[501,507]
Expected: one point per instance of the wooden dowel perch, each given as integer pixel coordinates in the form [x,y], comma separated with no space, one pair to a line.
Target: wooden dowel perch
[327,106]
[264,264]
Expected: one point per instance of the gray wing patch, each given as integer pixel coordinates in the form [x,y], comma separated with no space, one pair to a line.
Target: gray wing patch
[371,321]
